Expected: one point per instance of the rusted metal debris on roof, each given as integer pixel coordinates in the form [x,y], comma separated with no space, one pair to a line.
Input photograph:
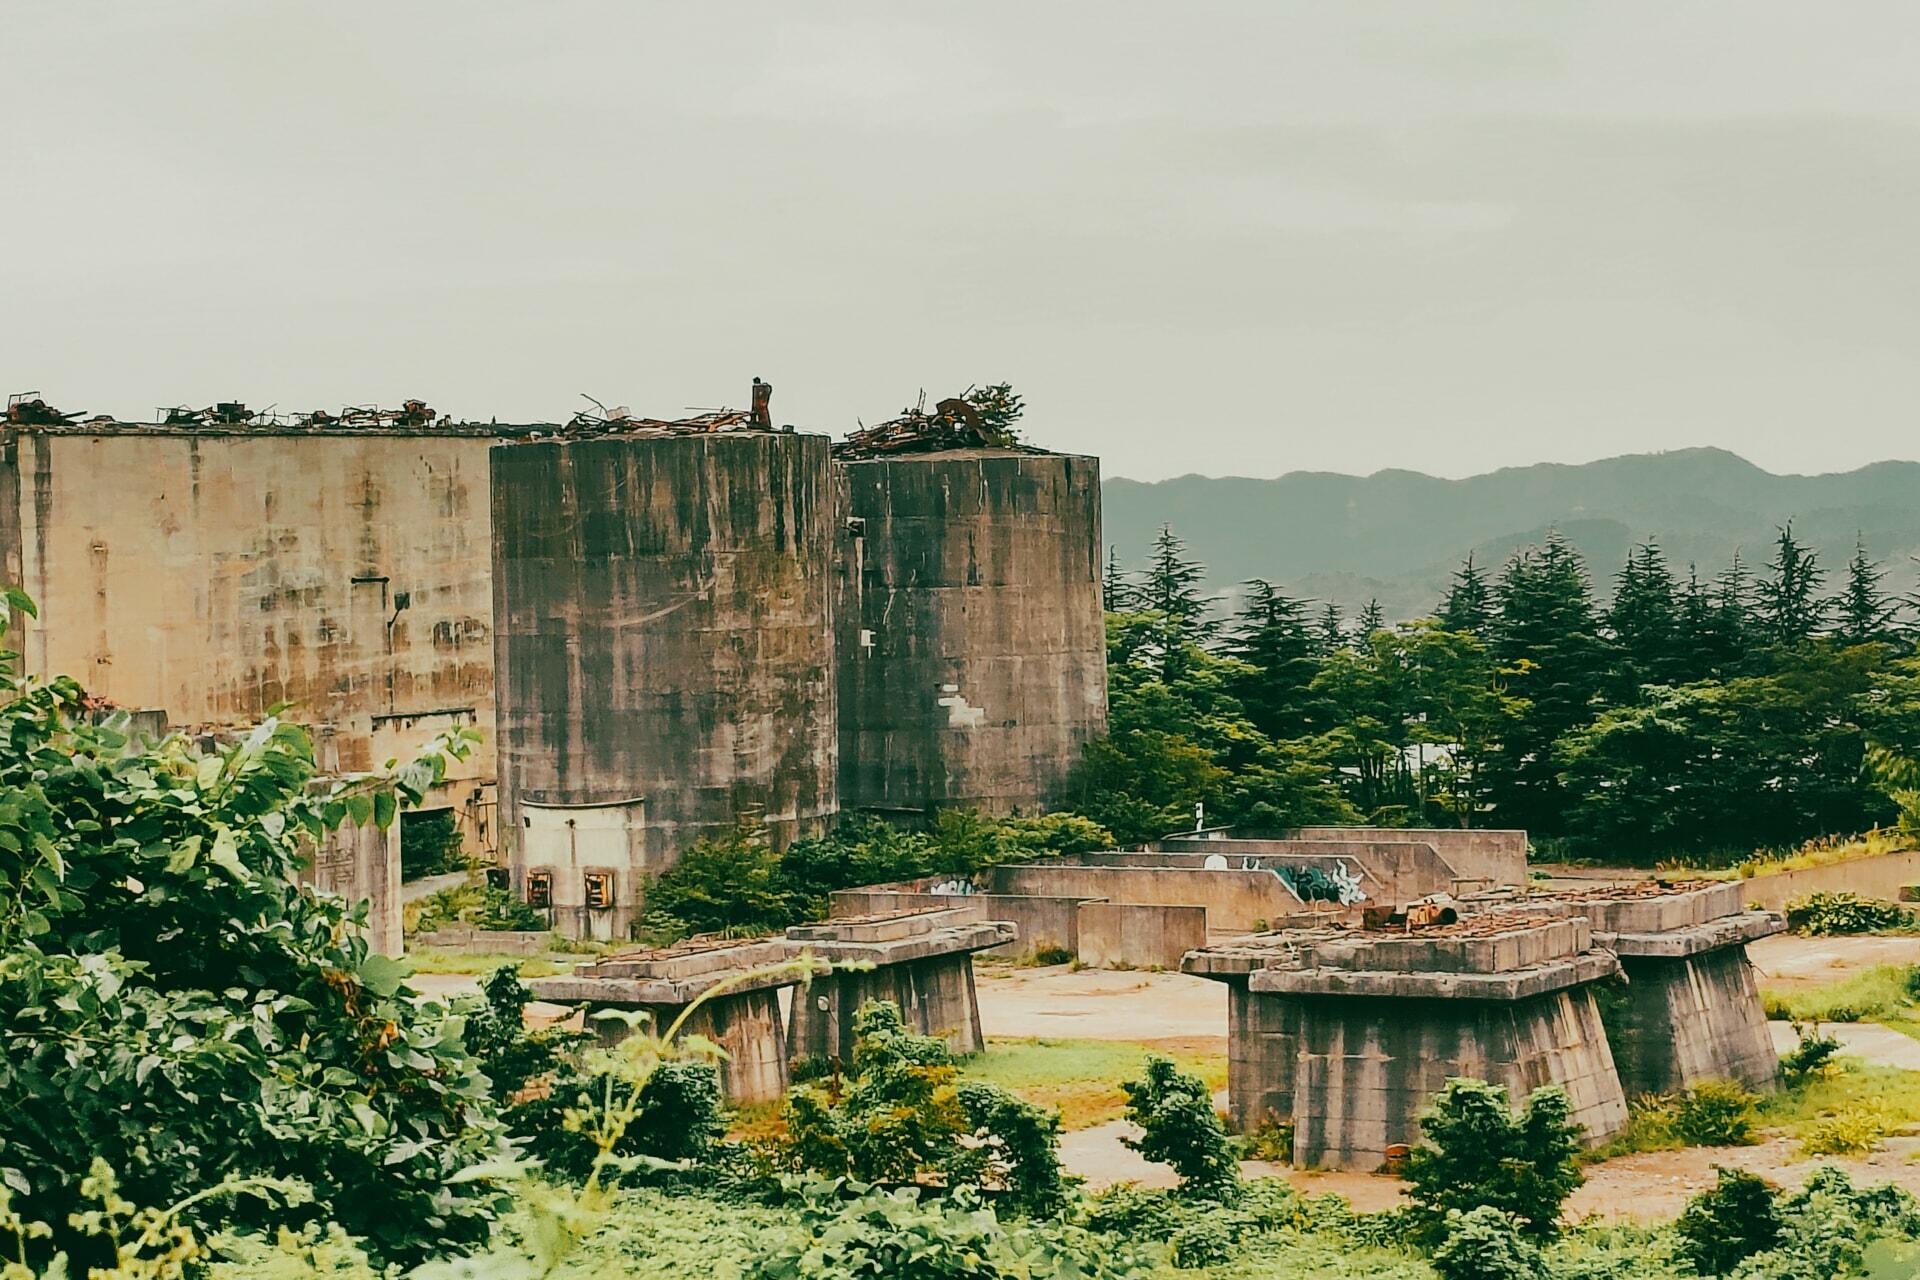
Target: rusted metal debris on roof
[621,421]
[232,413]
[27,409]
[978,418]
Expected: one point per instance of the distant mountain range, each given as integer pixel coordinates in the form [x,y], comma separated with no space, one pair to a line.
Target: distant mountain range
[1398,535]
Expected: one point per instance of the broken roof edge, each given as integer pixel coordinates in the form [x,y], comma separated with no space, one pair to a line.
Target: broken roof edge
[242,430]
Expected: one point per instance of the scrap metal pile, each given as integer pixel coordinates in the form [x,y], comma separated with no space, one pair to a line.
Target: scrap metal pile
[602,421]
[28,410]
[232,413]
[975,419]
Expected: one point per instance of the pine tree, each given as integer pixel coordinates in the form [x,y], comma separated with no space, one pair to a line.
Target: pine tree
[1694,630]
[1644,621]
[1172,585]
[1790,605]
[1371,619]
[1331,634]
[1729,637]
[1172,589]
[1273,635]
[1469,603]
[1863,612]
[1118,592]
[1549,638]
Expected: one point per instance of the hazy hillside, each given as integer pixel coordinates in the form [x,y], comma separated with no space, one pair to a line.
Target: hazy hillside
[1398,535]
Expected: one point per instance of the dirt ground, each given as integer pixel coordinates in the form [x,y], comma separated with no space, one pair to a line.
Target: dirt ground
[1102,1004]
[1788,962]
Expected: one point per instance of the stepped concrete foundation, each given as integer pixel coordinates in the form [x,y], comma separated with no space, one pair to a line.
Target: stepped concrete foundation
[745,1021]
[1690,1009]
[1347,1035]
[921,960]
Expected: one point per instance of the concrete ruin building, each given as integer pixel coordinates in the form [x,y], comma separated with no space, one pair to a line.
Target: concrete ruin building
[205,572]
[664,653]
[972,646]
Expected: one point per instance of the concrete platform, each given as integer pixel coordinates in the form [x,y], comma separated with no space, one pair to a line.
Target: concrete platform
[745,1020]
[1347,1034]
[920,960]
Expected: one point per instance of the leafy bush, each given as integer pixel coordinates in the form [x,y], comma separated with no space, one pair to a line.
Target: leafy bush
[894,1233]
[1822,914]
[1179,1127]
[1717,1113]
[678,1118]
[474,905]
[1485,1244]
[1812,1057]
[497,1036]
[1729,1222]
[1271,1141]
[729,883]
[1849,1132]
[907,1118]
[1478,1152]
[175,1002]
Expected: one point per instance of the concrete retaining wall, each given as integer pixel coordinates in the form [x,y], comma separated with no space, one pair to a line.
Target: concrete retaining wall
[486,941]
[935,997]
[1493,855]
[362,864]
[1395,871]
[1880,877]
[1235,900]
[1043,923]
[1139,936]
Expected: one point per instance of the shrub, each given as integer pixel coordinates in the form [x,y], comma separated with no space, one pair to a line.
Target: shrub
[1179,1127]
[1812,1057]
[496,1035]
[1478,1152]
[1271,1141]
[897,1234]
[1486,1244]
[906,1118]
[679,1117]
[1716,1113]
[729,883]
[1729,1222]
[1136,1212]
[181,1007]
[474,905]
[1837,913]
[1206,1240]
[1852,1131]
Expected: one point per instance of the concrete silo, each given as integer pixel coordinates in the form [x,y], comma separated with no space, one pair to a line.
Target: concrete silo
[664,654]
[971,643]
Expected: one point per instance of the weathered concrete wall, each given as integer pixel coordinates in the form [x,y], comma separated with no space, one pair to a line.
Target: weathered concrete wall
[1127,935]
[971,643]
[1677,1022]
[935,995]
[363,864]
[1394,872]
[1235,900]
[1043,924]
[1497,856]
[486,941]
[1881,877]
[215,575]
[1363,1073]
[663,644]
[746,1024]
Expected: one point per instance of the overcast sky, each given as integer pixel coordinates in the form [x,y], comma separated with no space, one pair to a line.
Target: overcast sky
[1240,237]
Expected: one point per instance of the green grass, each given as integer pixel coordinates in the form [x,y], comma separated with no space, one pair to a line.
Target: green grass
[434,960]
[1823,852]
[1888,1094]
[1079,1078]
[1878,994]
